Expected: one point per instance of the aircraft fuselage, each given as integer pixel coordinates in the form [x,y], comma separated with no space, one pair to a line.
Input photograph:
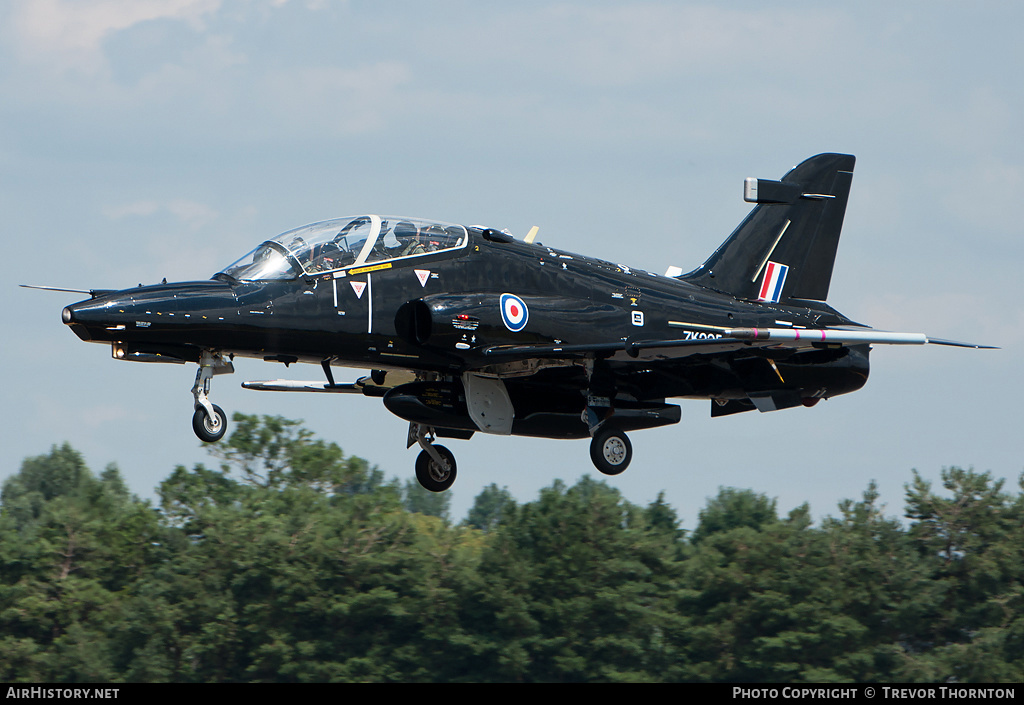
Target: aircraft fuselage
[440,313]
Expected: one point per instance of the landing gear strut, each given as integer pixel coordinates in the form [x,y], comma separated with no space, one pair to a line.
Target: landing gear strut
[209,421]
[435,465]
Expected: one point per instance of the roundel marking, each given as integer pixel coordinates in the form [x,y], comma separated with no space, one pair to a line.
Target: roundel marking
[514,312]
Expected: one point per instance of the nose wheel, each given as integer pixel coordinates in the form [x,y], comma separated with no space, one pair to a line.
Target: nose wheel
[209,421]
[209,429]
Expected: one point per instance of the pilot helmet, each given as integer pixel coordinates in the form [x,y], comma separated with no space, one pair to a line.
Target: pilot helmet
[405,229]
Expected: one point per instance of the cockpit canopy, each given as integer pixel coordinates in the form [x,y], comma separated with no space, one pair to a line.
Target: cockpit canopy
[345,242]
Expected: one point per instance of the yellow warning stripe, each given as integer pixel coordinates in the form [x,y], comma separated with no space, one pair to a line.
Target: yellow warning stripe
[371,268]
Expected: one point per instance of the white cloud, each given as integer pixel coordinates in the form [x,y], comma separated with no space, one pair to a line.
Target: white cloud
[131,209]
[193,214]
[333,100]
[644,42]
[68,34]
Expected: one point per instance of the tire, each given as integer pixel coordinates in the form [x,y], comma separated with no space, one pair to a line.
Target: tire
[611,451]
[430,475]
[209,430]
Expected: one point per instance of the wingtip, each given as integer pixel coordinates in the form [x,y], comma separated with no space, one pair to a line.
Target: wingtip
[959,344]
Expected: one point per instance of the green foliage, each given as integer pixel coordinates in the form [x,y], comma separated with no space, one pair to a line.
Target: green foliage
[60,473]
[662,519]
[421,501]
[274,452]
[490,507]
[71,546]
[974,542]
[576,589]
[294,562]
[733,508]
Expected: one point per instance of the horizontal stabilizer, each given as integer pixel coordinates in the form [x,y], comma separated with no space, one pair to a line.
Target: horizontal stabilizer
[731,339]
[958,344]
[846,337]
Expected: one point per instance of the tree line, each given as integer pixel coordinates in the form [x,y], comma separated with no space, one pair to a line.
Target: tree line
[290,561]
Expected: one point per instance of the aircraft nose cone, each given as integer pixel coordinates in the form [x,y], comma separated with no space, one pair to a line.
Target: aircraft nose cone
[87,318]
[84,312]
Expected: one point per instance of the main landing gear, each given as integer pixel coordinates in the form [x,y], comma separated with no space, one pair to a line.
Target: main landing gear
[435,465]
[209,421]
[436,469]
[611,450]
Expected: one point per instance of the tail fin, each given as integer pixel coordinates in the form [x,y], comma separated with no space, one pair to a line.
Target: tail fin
[786,247]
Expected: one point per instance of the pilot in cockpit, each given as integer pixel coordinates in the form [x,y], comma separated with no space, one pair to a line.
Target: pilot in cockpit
[299,250]
[434,238]
[339,252]
[409,238]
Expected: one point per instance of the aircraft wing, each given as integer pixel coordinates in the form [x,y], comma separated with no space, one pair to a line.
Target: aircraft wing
[730,340]
[288,385]
[364,385]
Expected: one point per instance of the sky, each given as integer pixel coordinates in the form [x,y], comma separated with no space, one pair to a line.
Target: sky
[143,139]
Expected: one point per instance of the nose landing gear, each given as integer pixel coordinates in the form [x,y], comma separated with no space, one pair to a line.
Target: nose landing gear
[209,421]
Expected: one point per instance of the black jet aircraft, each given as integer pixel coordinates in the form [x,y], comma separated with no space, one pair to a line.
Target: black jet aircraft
[465,329]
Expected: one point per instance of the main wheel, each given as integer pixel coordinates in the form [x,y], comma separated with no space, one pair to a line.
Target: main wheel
[209,430]
[432,476]
[611,451]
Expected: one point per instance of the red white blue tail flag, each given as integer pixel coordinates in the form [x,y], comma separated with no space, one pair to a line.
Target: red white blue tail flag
[774,279]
